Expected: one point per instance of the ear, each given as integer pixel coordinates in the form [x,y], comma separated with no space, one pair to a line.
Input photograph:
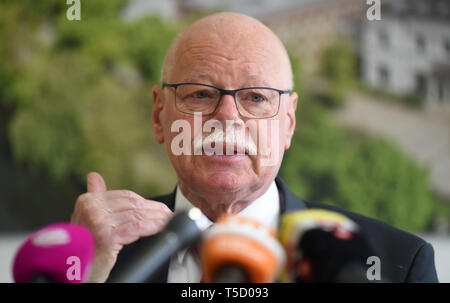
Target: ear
[290,121]
[157,117]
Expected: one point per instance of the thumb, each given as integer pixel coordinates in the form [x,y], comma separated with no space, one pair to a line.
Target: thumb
[95,183]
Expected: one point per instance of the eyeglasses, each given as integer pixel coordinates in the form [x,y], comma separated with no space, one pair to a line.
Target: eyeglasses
[251,102]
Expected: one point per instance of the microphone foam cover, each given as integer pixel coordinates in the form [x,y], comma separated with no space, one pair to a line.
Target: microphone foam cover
[60,252]
[243,242]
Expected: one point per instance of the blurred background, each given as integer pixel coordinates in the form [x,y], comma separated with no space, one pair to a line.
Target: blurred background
[373,121]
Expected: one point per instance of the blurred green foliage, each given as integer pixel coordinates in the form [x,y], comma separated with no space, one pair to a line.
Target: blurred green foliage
[362,174]
[366,175]
[76,97]
[338,66]
[81,91]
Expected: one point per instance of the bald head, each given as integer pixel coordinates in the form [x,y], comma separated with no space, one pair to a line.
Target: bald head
[228,37]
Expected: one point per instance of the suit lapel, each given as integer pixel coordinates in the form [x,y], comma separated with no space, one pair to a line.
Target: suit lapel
[288,203]
[169,200]
[288,200]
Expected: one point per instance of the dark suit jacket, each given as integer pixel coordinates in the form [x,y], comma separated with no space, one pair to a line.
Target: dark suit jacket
[403,256]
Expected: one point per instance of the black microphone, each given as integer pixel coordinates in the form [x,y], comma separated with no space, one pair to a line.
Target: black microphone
[179,233]
[328,258]
[324,247]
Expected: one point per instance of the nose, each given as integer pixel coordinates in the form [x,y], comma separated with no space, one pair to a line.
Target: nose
[227,109]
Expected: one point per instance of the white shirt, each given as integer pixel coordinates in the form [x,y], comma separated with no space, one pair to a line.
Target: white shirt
[185,267]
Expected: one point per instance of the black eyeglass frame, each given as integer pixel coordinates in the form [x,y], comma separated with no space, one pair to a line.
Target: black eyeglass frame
[231,92]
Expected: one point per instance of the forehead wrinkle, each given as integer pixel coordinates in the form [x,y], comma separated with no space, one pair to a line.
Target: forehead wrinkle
[245,72]
[204,51]
[209,46]
[217,55]
[198,76]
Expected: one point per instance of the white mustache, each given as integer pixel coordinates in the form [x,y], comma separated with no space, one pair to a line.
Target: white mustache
[225,139]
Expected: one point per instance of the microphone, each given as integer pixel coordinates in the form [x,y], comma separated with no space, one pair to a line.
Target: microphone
[179,233]
[59,252]
[323,247]
[240,249]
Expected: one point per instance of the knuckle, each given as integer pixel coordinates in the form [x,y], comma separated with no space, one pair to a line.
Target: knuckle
[164,208]
[129,194]
[137,225]
[138,215]
[159,206]
[136,202]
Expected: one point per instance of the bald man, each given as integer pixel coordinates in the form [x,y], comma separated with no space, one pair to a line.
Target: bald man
[230,74]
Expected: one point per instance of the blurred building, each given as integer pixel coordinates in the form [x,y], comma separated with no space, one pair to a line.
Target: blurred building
[304,26]
[174,9]
[408,52]
[309,27]
[167,9]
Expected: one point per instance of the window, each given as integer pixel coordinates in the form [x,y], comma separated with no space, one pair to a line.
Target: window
[383,75]
[421,85]
[440,86]
[420,43]
[447,46]
[383,38]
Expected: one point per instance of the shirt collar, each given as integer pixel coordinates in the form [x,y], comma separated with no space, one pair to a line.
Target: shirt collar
[265,209]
